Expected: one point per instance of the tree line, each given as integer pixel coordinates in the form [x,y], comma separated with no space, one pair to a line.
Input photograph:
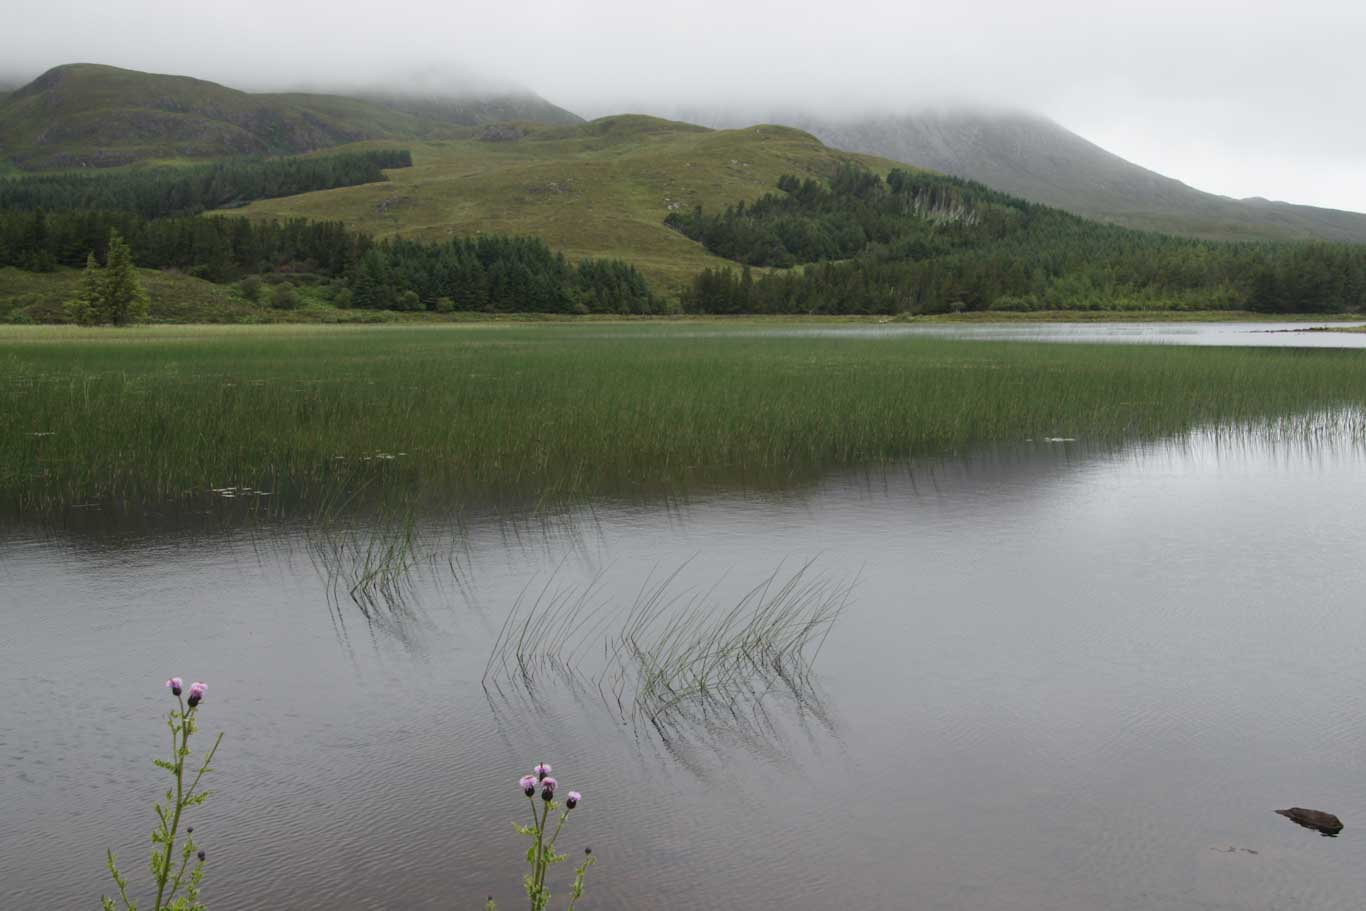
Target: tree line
[926,243]
[498,273]
[162,192]
[482,272]
[928,214]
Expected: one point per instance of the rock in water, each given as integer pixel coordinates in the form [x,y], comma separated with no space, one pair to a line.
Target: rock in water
[1319,821]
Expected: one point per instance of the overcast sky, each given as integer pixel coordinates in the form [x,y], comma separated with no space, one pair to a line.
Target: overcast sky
[1253,98]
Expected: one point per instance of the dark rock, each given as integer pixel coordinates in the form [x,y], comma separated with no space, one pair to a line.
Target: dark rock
[501,132]
[1319,821]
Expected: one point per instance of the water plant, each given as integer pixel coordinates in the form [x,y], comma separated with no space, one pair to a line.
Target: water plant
[370,566]
[177,882]
[676,657]
[541,855]
[474,418]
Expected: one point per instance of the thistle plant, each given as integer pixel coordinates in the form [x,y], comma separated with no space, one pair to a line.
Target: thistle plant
[541,855]
[177,882]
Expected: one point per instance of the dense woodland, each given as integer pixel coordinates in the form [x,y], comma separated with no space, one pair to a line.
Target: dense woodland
[161,192]
[924,243]
[59,220]
[473,273]
[910,243]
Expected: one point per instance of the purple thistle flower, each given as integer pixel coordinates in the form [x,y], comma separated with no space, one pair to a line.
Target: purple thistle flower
[542,771]
[528,784]
[573,799]
[196,693]
[548,786]
[175,683]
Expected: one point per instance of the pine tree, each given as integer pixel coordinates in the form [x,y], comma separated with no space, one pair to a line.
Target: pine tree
[88,303]
[371,290]
[123,299]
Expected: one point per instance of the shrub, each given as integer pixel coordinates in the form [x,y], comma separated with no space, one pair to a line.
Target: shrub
[250,288]
[1017,303]
[342,298]
[409,300]
[284,297]
[445,305]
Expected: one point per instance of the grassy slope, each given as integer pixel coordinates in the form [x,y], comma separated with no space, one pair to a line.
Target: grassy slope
[86,114]
[601,189]
[39,297]
[31,297]
[472,111]
[146,416]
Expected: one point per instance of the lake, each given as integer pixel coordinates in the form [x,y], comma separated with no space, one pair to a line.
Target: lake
[1063,678]
[1260,334]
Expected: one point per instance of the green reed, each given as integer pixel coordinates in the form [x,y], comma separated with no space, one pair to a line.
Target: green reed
[282,420]
[675,658]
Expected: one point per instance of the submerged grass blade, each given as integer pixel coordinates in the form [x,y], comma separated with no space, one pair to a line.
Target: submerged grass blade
[676,658]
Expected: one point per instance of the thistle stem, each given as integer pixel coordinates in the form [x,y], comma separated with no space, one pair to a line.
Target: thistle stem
[164,873]
[540,884]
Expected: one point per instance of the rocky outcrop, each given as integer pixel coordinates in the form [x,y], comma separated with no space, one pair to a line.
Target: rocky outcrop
[501,132]
[1319,821]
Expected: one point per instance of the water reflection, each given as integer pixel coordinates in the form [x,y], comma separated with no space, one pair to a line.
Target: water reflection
[1067,678]
[675,660]
[1259,334]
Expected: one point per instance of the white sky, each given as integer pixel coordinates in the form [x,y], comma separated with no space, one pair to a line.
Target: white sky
[1255,98]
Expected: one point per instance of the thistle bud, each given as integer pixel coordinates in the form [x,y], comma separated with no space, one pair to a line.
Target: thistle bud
[196,693]
[201,856]
[548,786]
[175,684]
[542,771]
[528,785]
[572,800]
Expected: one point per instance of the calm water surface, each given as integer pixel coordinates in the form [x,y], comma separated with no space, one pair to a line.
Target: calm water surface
[1249,334]
[1064,680]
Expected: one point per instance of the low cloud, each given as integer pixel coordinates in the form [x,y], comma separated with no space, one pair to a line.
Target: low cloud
[1254,98]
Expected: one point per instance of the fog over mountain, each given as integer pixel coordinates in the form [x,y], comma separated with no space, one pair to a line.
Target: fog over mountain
[1241,99]
[1033,157]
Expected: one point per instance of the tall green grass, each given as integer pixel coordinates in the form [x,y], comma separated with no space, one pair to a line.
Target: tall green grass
[300,419]
[675,659]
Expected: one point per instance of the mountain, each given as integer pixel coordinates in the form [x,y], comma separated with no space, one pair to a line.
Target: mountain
[455,96]
[473,111]
[88,115]
[1035,158]
[600,189]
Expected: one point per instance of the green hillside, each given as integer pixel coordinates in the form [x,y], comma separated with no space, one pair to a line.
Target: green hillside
[471,111]
[40,297]
[599,189]
[1032,157]
[88,115]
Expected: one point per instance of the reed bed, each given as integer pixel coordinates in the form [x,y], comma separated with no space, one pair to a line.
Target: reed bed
[677,658]
[301,420]
[370,566]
